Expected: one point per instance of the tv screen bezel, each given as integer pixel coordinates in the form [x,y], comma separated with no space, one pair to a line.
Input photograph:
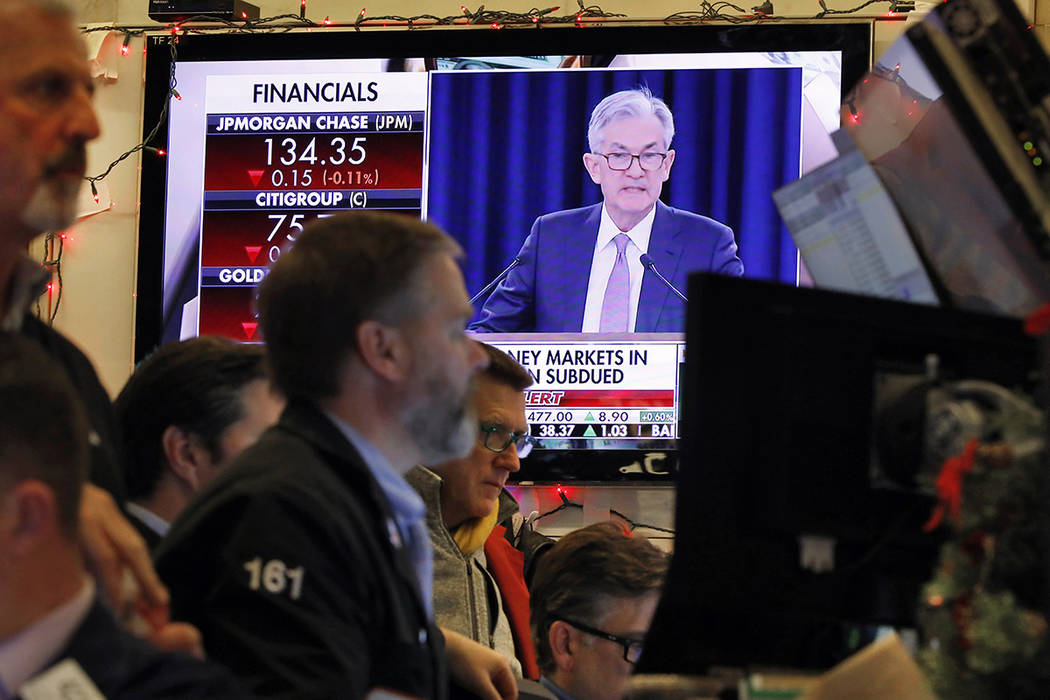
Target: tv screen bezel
[853,39]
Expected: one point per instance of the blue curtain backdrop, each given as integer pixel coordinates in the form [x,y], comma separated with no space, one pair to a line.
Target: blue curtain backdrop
[506,147]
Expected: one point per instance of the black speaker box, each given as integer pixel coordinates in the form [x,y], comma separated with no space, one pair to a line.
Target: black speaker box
[181,10]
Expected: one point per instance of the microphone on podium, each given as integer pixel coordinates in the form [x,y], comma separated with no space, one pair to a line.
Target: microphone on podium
[647,263]
[499,278]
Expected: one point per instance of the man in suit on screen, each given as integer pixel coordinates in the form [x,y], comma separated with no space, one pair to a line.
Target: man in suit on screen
[583,269]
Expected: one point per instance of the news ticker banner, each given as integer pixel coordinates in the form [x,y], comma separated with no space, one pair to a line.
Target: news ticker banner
[599,393]
[283,150]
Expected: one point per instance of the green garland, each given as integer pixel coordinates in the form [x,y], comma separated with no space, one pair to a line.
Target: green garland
[984,637]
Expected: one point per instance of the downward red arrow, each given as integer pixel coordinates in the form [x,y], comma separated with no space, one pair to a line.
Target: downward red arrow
[249,329]
[252,251]
[255,175]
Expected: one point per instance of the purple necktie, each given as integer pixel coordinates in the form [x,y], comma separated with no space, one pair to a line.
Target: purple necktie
[617,292]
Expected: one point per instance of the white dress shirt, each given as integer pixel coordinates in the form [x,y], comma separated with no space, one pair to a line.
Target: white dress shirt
[602,264]
[150,519]
[24,655]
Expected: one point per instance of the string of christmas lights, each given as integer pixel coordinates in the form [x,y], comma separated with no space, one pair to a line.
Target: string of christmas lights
[144,144]
[633,525]
[565,503]
[717,12]
[52,260]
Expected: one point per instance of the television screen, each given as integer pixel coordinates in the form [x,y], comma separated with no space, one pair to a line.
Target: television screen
[483,132]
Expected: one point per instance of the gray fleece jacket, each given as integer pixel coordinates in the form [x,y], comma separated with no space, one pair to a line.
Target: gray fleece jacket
[465,596]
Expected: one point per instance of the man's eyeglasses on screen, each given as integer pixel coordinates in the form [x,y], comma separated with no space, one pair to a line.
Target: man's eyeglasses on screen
[623,161]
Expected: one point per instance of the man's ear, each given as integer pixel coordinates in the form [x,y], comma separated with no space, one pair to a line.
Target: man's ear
[185,455]
[561,638]
[29,517]
[594,167]
[384,349]
[668,162]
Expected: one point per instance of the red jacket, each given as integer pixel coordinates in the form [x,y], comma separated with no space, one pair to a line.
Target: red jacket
[506,564]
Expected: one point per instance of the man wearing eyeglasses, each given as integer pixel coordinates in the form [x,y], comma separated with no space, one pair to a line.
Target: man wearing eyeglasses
[583,270]
[474,523]
[593,598]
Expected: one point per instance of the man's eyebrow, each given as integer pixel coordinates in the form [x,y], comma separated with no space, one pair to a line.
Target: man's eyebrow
[43,74]
[622,147]
[498,423]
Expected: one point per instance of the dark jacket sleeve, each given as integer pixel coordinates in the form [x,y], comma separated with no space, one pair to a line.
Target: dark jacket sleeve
[724,258]
[126,668]
[511,308]
[267,586]
[105,469]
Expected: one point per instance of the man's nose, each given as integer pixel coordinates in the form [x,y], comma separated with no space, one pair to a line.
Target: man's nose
[82,121]
[635,168]
[508,459]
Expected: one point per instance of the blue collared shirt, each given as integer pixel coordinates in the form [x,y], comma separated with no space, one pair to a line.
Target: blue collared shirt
[408,529]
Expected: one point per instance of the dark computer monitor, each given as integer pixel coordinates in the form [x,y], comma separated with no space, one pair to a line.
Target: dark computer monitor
[779,400]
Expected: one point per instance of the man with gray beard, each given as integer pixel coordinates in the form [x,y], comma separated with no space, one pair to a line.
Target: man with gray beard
[46,120]
[307,564]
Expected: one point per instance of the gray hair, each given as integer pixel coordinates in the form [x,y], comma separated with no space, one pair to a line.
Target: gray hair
[343,271]
[637,102]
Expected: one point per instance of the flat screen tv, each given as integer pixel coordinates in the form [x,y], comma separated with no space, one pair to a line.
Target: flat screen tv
[480,131]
